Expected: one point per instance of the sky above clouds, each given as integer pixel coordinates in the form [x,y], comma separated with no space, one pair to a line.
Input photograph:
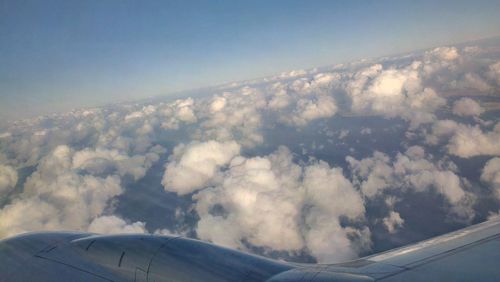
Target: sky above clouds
[319,146]
[59,55]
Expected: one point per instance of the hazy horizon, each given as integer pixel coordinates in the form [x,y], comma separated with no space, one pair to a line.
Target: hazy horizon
[59,55]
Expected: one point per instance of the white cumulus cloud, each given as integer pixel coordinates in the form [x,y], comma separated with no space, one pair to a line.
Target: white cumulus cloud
[111,224]
[393,222]
[8,179]
[464,140]
[56,197]
[195,164]
[467,107]
[272,202]
[413,170]
[491,175]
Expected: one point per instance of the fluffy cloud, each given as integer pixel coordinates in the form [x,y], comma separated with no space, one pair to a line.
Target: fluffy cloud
[234,116]
[465,141]
[393,93]
[491,175]
[473,81]
[274,203]
[293,73]
[330,195]
[256,203]
[103,161]
[393,221]
[308,110]
[8,179]
[184,111]
[55,197]
[494,72]
[181,111]
[115,225]
[79,161]
[458,72]
[217,104]
[303,100]
[195,164]
[467,107]
[411,170]
[279,98]
[444,53]
[320,83]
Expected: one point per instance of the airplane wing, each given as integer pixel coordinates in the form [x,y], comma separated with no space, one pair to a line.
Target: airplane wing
[470,254]
[90,257]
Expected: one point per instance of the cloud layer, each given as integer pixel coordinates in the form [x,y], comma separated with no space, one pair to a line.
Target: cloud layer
[272,202]
[364,141]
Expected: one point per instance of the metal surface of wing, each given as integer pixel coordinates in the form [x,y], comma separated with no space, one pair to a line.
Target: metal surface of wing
[469,254]
[89,257]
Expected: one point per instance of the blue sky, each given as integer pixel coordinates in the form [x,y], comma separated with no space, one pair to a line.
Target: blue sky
[57,55]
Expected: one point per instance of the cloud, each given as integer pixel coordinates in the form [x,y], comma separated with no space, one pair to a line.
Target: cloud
[491,175]
[8,179]
[393,221]
[343,134]
[467,107]
[79,161]
[303,100]
[413,170]
[472,141]
[308,110]
[55,197]
[293,73]
[465,141]
[494,72]
[272,202]
[373,175]
[330,195]
[103,161]
[259,198]
[173,115]
[445,53]
[195,164]
[237,114]
[279,98]
[389,83]
[115,225]
[217,104]
[320,83]
[390,87]
[244,196]
[474,81]
[393,92]
[185,110]
[366,131]
[238,119]
[458,72]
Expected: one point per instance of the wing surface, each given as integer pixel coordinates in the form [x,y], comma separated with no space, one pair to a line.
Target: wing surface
[469,254]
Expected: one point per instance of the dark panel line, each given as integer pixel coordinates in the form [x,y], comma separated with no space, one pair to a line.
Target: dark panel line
[135,274]
[74,267]
[89,245]
[46,251]
[121,258]
[156,253]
